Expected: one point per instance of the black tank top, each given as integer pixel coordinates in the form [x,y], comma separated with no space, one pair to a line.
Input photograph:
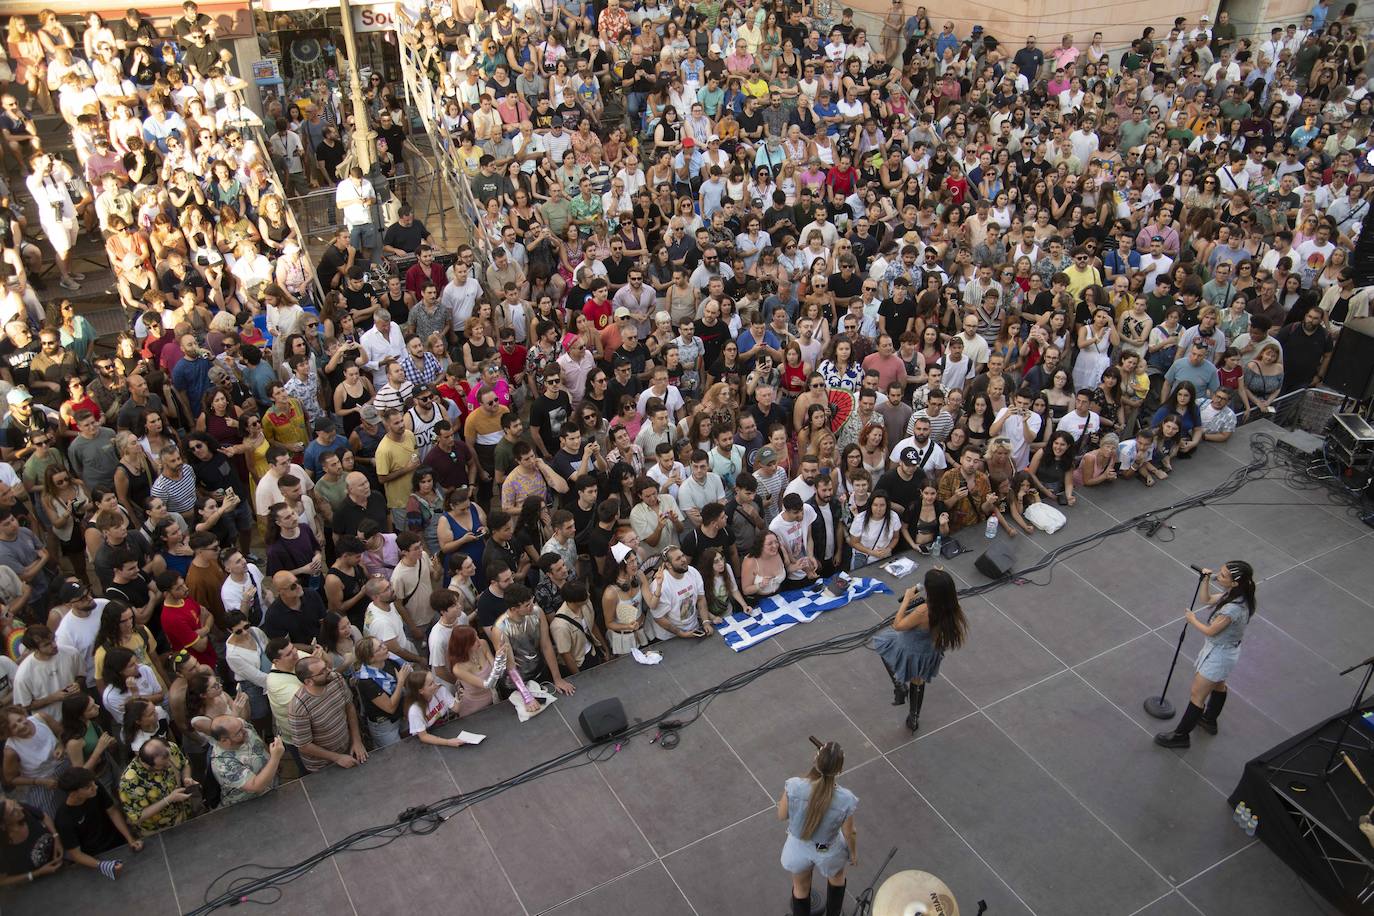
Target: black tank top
[352,585]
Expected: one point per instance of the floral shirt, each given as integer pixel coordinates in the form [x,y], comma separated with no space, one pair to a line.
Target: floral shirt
[233,768]
[141,786]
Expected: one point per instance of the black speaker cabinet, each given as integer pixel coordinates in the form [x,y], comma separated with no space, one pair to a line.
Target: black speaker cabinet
[996,562]
[1351,371]
[603,720]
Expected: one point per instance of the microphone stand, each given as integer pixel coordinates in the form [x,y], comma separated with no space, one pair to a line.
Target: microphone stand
[1159,706]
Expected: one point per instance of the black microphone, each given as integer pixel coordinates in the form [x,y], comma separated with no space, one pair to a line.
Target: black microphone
[1196,569]
[816,741]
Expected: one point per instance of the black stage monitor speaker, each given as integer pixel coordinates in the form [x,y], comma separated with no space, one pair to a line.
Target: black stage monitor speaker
[603,720]
[996,562]
[1351,371]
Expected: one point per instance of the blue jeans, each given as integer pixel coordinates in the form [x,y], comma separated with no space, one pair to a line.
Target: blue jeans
[634,108]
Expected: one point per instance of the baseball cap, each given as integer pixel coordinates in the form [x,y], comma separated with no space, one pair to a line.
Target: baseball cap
[70,591]
[622,312]
[910,456]
[714,138]
[370,414]
[688,142]
[18,396]
[619,552]
[766,455]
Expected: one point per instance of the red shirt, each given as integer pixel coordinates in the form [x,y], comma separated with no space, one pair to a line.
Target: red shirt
[513,361]
[599,313]
[415,278]
[181,624]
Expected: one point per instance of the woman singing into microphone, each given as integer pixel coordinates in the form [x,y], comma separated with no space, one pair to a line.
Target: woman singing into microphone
[1228,611]
[920,635]
[820,830]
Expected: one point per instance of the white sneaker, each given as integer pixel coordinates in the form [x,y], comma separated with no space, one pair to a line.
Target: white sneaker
[76,276]
[69,283]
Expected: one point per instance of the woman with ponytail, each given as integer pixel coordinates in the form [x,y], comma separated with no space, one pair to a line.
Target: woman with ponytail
[820,830]
[921,633]
[1228,610]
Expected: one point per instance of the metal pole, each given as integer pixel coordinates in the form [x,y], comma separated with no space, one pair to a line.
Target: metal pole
[362,129]
[1159,706]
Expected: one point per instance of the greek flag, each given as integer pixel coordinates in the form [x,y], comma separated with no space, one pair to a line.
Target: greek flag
[787,609]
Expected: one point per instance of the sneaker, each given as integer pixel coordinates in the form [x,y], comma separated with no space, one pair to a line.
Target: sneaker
[76,276]
[69,283]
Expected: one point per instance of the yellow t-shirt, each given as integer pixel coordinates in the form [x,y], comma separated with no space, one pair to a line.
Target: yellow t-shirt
[1080,280]
[391,457]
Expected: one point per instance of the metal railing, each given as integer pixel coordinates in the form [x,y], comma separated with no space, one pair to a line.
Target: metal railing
[426,101]
[260,137]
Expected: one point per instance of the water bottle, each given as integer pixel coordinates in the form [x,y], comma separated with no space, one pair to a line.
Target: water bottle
[991,531]
[1242,814]
[1251,824]
[936,547]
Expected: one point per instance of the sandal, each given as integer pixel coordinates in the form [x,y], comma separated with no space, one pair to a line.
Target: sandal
[1149,481]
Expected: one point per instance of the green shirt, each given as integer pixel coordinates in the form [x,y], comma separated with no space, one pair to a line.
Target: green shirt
[556,214]
[710,99]
[710,11]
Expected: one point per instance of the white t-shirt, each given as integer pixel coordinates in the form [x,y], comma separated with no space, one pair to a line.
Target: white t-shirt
[419,720]
[78,634]
[231,595]
[795,536]
[438,647]
[1152,267]
[349,196]
[677,602]
[874,532]
[38,677]
[956,373]
[693,495]
[932,454]
[116,697]
[1077,426]
[1020,445]
[386,624]
[8,668]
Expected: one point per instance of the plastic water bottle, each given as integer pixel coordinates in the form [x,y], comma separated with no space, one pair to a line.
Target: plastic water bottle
[991,531]
[1242,814]
[1251,824]
[935,548]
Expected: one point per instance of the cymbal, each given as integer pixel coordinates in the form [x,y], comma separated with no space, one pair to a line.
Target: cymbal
[914,893]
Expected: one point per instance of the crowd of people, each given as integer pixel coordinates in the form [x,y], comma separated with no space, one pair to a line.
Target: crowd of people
[752,300]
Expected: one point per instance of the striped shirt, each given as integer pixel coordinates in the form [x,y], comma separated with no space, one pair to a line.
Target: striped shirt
[388,398]
[321,721]
[178,494]
[940,426]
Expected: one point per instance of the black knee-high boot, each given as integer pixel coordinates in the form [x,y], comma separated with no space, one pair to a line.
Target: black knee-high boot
[899,691]
[1179,736]
[917,697]
[1215,701]
[834,900]
[801,906]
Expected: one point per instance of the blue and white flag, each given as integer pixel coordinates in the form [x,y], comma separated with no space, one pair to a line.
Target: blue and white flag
[787,609]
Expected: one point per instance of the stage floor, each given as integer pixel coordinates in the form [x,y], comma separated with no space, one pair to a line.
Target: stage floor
[1033,783]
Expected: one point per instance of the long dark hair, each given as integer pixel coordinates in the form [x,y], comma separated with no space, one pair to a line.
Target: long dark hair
[73,723]
[948,627]
[829,762]
[1244,589]
[108,635]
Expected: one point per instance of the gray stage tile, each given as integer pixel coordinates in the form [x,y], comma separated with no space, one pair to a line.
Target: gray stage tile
[1349,566]
[1164,811]
[1135,671]
[648,888]
[1147,582]
[1208,539]
[1327,619]
[1071,618]
[681,795]
[1129,498]
[455,855]
[202,849]
[1290,684]
[1053,853]
[701,664]
[1254,881]
[737,872]
[144,888]
[644,690]
[998,657]
[767,725]
[858,684]
[570,819]
[1172,905]
[1294,522]
[891,814]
